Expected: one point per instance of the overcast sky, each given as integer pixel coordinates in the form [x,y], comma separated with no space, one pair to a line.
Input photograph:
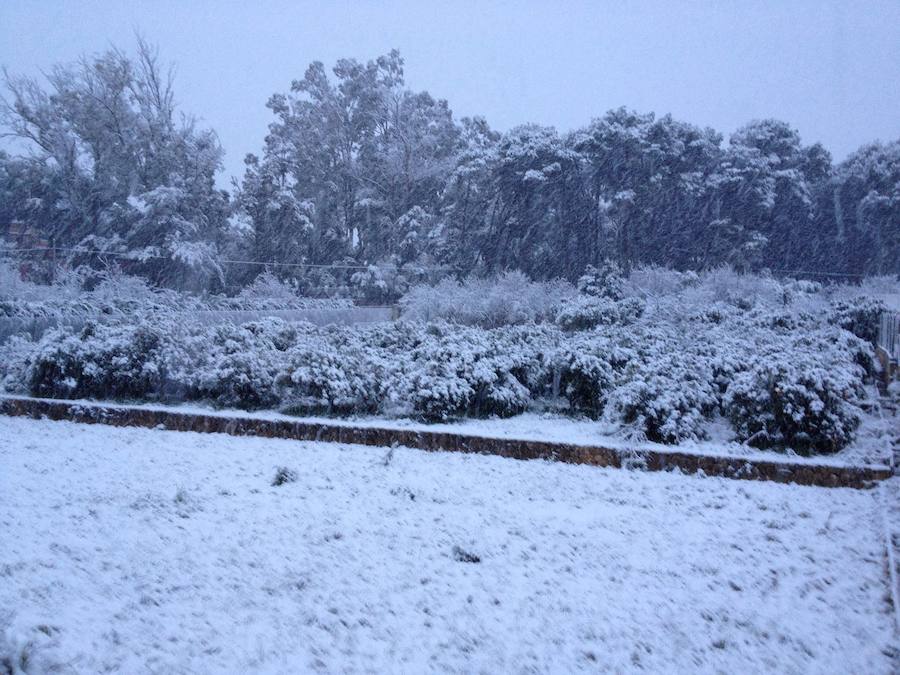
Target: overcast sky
[831,69]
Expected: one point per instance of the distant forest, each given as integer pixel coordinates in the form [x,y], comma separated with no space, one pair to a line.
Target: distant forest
[361,181]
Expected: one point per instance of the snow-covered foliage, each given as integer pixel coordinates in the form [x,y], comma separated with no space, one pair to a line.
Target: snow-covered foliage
[602,282]
[236,365]
[329,374]
[588,367]
[83,295]
[115,361]
[859,316]
[509,299]
[779,361]
[360,176]
[586,311]
[802,391]
[669,390]
[15,361]
[472,372]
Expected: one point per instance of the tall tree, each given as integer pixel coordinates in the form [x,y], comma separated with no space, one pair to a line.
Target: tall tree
[110,165]
[352,166]
[866,202]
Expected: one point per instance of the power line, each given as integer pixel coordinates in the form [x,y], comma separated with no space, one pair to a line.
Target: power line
[824,274]
[272,263]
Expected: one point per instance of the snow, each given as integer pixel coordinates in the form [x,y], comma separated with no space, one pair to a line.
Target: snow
[151,551]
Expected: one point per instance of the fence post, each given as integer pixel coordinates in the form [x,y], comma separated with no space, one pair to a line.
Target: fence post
[887,349]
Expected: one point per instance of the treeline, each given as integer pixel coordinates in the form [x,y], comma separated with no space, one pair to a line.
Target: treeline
[383,186]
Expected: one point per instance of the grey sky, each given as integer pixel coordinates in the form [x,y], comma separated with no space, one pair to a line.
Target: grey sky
[831,69]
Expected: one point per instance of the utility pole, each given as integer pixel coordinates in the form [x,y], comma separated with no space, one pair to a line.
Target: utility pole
[52,259]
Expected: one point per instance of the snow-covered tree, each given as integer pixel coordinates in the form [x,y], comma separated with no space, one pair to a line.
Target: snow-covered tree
[110,165]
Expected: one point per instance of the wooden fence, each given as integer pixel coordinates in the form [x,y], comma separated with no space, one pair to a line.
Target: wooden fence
[888,348]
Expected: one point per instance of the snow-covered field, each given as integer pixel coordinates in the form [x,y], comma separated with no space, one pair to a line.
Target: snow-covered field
[137,550]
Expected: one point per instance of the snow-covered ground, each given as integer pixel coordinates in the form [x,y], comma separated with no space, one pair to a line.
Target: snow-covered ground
[151,551]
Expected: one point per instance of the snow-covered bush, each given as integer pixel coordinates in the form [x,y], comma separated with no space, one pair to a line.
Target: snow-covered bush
[655,281]
[15,360]
[714,313]
[802,394]
[267,287]
[741,290]
[14,287]
[859,315]
[885,288]
[113,288]
[236,366]
[510,299]
[661,365]
[320,376]
[532,349]
[470,372]
[605,281]
[118,296]
[103,361]
[376,285]
[284,475]
[668,398]
[438,391]
[584,312]
[794,289]
[588,367]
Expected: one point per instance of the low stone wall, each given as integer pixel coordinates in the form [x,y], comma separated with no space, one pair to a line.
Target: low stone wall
[652,460]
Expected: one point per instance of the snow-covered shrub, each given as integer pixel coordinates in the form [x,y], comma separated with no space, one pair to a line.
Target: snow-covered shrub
[584,312]
[500,376]
[775,365]
[14,288]
[510,299]
[725,350]
[375,285]
[266,286]
[103,361]
[801,395]
[605,281]
[236,366]
[655,281]
[284,475]
[469,372]
[15,360]
[588,367]
[438,391]
[782,320]
[113,288]
[715,313]
[851,348]
[319,376]
[531,349]
[743,291]
[885,288]
[454,371]
[668,398]
[859,315]
[796,288]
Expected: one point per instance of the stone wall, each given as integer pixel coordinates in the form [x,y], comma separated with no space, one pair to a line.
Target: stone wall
[653,460]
